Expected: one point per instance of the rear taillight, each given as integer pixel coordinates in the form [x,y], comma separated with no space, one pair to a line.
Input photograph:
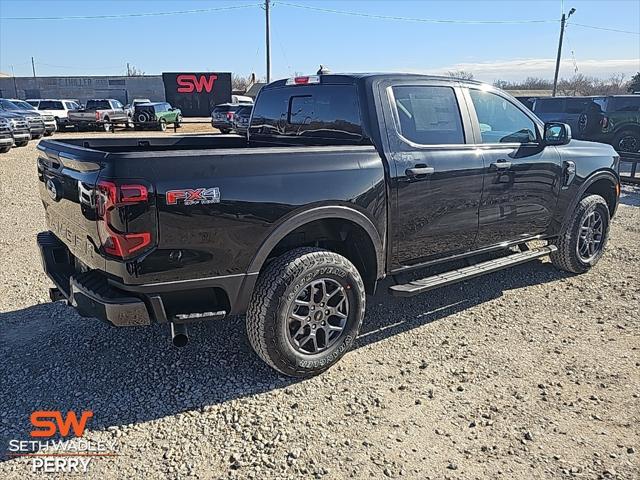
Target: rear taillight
[113,224]
[97,116]
[229,116]
[604,122]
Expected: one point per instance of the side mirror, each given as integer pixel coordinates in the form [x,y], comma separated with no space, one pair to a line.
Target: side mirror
[556,133]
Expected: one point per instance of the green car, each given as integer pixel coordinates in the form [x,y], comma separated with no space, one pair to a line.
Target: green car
[156,115]
[619,125]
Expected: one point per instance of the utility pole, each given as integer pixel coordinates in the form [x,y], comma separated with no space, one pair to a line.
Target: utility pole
[563,21]
[15,84]
[33,67]
[266,10]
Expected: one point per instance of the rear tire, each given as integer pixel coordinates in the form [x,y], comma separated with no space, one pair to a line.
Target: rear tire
[582,242]
[106,126]
[4,149]
[305,311]
[162,125]
[224,130]
[627,141]
[22,144]
[178,121]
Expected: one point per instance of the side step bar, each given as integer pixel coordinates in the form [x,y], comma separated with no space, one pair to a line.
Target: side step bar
[436,281]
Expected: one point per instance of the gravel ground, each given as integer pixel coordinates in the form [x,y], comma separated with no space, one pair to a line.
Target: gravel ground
[527,373]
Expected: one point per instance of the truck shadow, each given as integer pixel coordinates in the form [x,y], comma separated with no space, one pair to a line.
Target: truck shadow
[55,360]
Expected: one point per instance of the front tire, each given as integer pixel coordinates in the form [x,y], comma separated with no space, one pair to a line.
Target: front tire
[4,149]
[582,242]
[305,311]
[162,125]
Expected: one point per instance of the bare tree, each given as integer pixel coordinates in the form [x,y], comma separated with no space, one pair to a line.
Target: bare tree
[461,74]
[240,83]
[133,71]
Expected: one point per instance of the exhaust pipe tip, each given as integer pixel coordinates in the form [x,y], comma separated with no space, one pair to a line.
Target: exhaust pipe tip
[179,336]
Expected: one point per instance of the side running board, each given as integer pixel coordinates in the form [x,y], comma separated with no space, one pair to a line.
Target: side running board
[429,283]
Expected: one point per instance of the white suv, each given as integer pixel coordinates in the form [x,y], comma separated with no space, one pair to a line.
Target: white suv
[59,108]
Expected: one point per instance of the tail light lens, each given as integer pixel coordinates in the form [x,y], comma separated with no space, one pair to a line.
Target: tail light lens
[604,122]
[113,203]
[97,116]
[229,116]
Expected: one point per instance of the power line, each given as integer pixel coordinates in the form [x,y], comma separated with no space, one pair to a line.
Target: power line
[410,19]
[444,21]
[605,28]
[133,15]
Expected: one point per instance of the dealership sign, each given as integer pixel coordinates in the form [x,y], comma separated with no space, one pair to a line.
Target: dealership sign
[196,93]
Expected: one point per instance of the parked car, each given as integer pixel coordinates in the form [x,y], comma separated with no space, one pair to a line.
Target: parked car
[59,108]
[131,107]
[581,113]
[34,119]
[527,101]
[222,116]
[99,113]
[241,119]
[19,128]
[6,137]
[50,124]
[619,123]
[242,99]
[356,177]
[156,115]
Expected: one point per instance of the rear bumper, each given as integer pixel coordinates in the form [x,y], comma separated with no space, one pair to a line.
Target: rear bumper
[89,293]
[6,141]
[95,294]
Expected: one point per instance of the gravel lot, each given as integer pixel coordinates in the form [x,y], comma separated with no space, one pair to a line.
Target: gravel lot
[527,373]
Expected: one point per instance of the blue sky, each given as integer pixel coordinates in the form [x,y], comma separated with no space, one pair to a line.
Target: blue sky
[303,38]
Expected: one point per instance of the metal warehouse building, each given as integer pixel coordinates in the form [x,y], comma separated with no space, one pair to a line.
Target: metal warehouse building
[122,88]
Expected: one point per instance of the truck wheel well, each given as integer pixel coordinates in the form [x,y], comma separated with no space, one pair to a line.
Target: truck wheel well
[337,235]
[606,189]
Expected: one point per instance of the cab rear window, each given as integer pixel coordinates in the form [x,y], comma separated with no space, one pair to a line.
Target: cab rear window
[308,114]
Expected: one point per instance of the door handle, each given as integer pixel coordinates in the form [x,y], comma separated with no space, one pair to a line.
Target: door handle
[501,164]
[419,170]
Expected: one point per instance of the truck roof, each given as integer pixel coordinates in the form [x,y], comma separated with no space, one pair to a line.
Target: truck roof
[351,78]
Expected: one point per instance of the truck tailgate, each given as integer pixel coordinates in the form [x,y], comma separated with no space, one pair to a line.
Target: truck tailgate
[67,182]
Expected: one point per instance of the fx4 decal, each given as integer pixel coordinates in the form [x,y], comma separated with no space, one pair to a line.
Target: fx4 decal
[193,196]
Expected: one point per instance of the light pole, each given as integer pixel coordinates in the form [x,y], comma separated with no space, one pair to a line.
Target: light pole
[563,21]
[268,39]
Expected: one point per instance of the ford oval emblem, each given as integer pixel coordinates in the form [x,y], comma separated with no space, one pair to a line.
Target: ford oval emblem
[52,189]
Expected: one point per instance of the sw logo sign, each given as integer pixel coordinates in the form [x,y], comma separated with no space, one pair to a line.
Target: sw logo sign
[189,82]
[50,421]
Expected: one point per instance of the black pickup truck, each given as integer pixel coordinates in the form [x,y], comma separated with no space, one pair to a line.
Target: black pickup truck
[343,180]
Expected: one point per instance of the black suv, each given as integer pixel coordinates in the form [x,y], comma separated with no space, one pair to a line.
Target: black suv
[241,118]
[582,114]
[222,116]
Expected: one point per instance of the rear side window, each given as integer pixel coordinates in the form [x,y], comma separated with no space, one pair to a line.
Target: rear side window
[98,105]
[554,105]
[322,113]
[50,105]
[428,115]
[222,109]
[577,105]
[625,104]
